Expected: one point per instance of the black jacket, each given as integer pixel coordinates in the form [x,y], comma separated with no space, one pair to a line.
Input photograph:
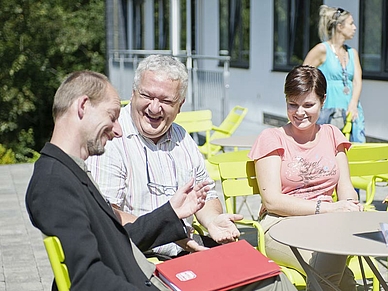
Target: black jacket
[62,201]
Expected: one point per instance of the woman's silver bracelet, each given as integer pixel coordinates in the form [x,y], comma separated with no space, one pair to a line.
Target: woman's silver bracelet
[318,207]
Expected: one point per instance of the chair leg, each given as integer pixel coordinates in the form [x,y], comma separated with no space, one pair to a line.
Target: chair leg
[247,205]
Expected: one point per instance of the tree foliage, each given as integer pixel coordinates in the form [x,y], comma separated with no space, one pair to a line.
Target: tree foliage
[40,43]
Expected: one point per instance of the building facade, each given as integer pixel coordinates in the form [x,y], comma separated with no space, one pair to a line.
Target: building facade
[238,52]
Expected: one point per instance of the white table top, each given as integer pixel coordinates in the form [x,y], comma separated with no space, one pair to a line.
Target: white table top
[343,233]
[245,141]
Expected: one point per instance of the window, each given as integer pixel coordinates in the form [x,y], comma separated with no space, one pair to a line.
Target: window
[161,22]
[373,44]
[234,31]
[295,31]
[138,27]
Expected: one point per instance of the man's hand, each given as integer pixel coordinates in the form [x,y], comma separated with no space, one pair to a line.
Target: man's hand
[190,245]
[223,230]
[188,199]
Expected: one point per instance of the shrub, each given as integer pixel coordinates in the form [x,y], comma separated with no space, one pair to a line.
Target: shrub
[7,156]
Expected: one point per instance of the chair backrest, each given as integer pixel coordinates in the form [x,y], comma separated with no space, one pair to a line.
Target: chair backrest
[347,129]
[227,127]
[195,122]
[238,179]
[368,159]
[231,122]
[124,102]
[57,257]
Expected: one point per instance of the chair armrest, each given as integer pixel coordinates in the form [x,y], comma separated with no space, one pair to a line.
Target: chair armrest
[199,228]
[260,233]
[216,128]
[380,178]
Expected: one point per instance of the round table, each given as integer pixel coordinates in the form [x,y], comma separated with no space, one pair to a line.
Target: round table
[245,141]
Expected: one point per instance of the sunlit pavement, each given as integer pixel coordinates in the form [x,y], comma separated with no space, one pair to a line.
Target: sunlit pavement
[24,263]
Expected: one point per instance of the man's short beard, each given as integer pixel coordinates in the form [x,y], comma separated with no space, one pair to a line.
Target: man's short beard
[95,148]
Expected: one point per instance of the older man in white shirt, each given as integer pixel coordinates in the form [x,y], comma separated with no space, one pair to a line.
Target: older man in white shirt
[142,170]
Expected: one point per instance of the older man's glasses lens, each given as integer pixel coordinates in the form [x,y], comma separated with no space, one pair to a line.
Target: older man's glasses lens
[155,188]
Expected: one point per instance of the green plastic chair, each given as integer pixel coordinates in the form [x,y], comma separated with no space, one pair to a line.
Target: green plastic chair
[57,261]
[354,265]
[226,129]
[57,258]
[368,164]
[124,102]
[347,129]
[195,122]
[238,179]
[353,262]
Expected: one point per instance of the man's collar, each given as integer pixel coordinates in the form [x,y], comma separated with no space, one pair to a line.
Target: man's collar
[80,162]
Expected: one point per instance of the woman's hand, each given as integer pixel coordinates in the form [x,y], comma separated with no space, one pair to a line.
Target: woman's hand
[349,205]
[353,110]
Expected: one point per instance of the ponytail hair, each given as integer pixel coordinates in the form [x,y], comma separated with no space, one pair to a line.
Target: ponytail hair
[329,17]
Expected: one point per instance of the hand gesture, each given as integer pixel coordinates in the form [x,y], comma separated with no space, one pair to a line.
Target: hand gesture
[188,199]
[347,205]
[190,245]
[223,230]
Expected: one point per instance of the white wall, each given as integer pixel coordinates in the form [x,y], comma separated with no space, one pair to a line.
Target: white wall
[260,89]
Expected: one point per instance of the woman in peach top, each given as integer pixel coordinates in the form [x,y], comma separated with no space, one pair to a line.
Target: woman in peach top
[298,167]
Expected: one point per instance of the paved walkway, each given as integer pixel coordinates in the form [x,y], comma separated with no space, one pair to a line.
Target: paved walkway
[24,264]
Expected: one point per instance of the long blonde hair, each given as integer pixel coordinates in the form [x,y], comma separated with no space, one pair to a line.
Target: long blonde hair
[329,18]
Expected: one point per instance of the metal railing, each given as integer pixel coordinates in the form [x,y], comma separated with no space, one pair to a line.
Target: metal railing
[208,78]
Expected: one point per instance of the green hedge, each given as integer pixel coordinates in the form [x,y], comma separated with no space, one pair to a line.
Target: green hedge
[8,156]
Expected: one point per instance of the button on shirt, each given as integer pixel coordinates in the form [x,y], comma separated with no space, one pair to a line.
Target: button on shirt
[121,172]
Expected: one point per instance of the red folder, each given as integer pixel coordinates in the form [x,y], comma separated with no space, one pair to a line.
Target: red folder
[219,268]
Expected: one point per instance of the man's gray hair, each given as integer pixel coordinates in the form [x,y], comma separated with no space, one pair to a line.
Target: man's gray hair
[171,66]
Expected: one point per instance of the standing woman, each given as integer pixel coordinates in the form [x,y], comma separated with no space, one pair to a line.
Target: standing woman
[340,64]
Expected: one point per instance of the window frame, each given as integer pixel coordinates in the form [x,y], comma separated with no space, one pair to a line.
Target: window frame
[310,32]
[382,74]
[241,32]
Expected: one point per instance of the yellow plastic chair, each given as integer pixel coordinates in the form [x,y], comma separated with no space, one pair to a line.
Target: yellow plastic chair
[124,102]
[238,179]
[347,129]
[353,262]
[234,156]
[354,265]
[198,228]
[195,122]
[57,258]
[226,129]
[368,164]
